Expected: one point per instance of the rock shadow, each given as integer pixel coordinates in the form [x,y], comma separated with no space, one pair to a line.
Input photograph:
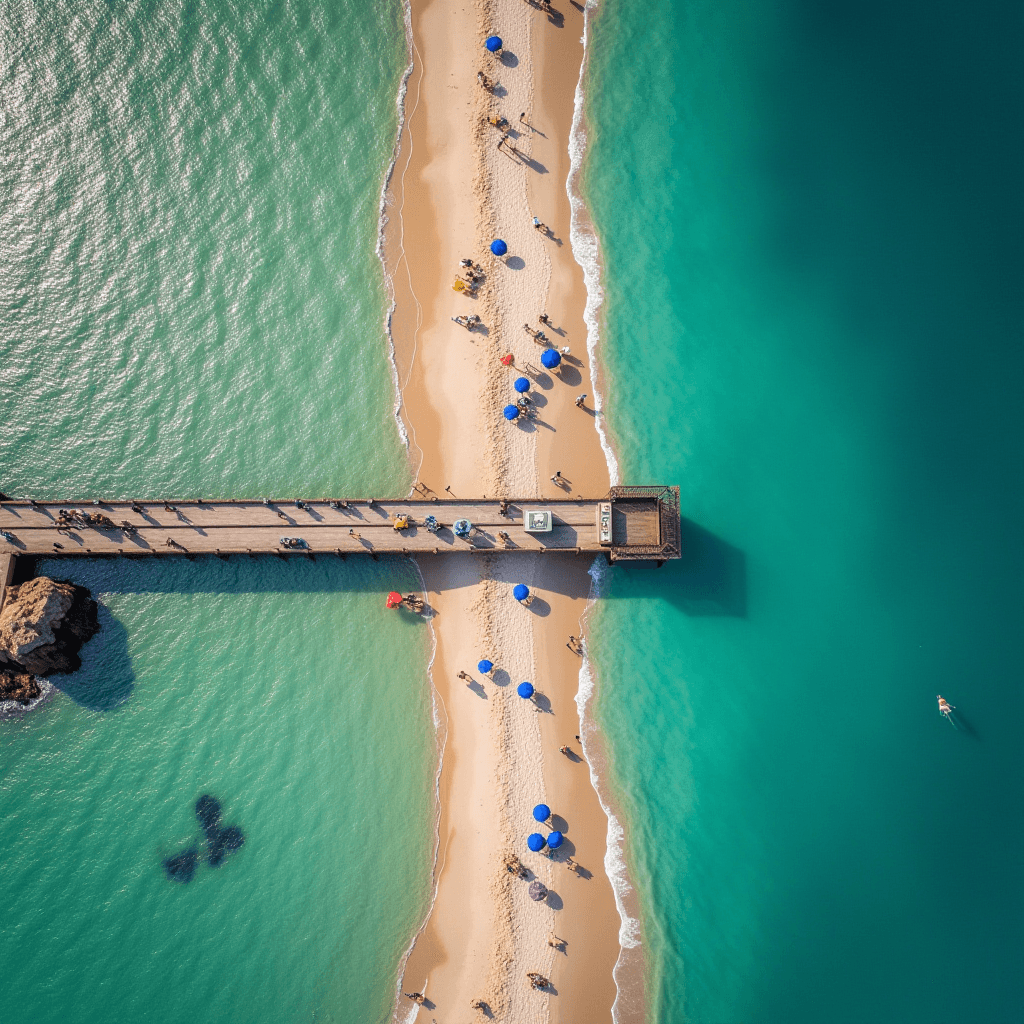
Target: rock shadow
[106,679]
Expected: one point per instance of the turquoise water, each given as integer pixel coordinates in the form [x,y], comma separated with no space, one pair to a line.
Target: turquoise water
[191,305]
[813,325]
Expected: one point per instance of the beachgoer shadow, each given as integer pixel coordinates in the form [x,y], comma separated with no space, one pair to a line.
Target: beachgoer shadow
[314,514]
[556,18]
[542,702]
[480,329]
[500,677]
[574,757]
[106,678]
[509,59]
[965,727]
[553,900]
[515,263]
[477,689]
[534,165]
[570,375]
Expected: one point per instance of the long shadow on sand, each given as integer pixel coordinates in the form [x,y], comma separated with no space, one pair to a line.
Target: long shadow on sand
[710,579]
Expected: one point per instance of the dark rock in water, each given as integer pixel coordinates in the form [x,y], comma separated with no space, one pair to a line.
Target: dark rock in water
[19,686]
[43,626]
[183,867]
[208,813]
[226,841]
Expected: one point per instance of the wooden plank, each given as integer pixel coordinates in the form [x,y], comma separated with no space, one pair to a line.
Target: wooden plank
[253,527]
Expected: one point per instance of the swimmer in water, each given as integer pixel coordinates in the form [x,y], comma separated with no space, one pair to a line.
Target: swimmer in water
[945,707]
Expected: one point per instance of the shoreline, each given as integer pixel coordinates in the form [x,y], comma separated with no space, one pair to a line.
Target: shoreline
[479,933]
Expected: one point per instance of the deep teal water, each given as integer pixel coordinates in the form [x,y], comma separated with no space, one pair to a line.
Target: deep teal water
[191,305]
[813,325]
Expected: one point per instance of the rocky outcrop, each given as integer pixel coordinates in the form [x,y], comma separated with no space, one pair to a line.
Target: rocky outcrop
[19,687]
[43,625]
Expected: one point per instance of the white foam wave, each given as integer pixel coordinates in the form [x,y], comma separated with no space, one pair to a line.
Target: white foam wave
[436,707]
[614,858]
[382,220]
[585,246]
[12,708]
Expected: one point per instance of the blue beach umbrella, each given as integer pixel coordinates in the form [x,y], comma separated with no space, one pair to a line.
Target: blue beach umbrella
[498,247]
[542,812]
[485,666]
[511,412]
[535,842]
[521,384]
[520,591]
[493,43]
[550,358]
[555,840]
[525,690]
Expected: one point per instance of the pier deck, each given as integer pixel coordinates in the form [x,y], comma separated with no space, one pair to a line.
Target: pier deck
[640,523]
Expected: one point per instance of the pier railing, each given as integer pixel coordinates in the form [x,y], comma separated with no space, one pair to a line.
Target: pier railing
[629,523]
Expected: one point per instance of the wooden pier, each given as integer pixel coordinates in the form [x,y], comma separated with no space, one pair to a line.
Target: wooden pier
[629,523]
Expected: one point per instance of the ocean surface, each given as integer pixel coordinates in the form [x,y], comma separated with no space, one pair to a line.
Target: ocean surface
[191,306]
[812,323]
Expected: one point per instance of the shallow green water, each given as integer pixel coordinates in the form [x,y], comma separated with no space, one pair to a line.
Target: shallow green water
[813,325]
[191,305]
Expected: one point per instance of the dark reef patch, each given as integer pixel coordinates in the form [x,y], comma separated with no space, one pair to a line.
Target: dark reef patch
[182,868]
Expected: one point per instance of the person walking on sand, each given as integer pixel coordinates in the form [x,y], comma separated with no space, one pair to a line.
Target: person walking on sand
[463,675]
[580,399]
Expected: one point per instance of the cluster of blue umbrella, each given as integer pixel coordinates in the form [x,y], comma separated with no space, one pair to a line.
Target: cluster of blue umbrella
[536,841]
[522,385]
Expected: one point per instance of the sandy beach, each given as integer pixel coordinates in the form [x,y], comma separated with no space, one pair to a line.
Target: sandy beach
[453,190]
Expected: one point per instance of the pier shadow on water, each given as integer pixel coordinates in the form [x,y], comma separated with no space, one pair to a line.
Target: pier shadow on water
[710,579]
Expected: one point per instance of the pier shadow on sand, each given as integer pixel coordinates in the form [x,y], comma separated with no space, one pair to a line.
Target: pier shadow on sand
[710,579]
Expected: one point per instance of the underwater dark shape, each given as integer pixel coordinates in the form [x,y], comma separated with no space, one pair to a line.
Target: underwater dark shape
[208,813]
[182,868]
[224,842]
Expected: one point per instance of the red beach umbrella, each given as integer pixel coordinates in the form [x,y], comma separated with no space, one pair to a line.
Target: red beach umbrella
[507,360]
[394,599]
